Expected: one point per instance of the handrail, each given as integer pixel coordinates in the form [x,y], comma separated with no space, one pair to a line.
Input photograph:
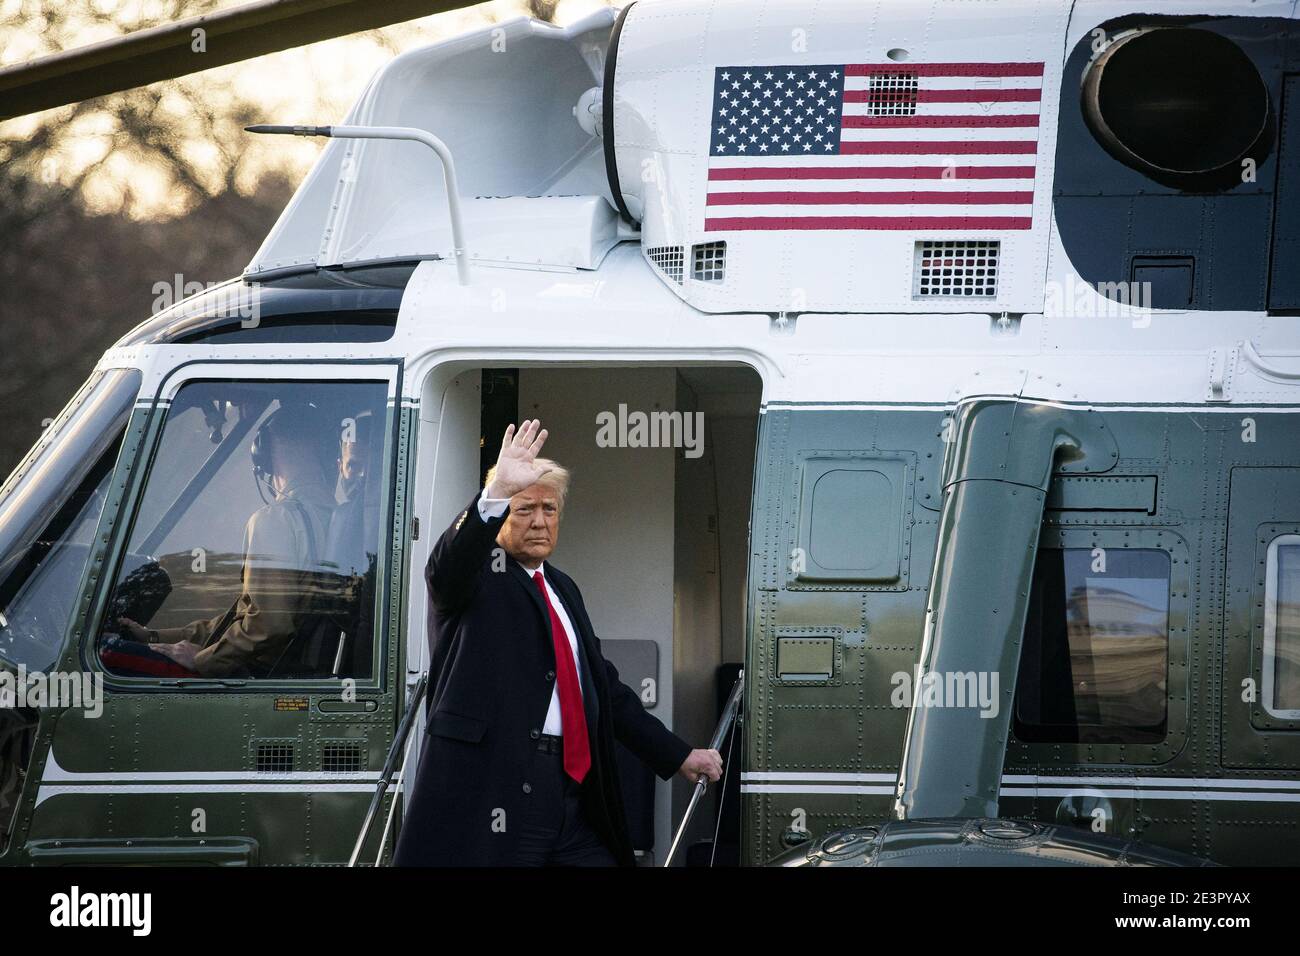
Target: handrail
[729,712]
[400,133]
[398,791]
[396,750]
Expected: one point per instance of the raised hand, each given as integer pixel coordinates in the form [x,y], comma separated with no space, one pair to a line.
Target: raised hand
[516,465]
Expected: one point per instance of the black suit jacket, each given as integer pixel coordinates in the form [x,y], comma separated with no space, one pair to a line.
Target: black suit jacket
[491,677]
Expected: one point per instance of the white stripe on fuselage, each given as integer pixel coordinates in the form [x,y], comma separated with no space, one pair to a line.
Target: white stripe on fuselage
[58,781]
[1030,785]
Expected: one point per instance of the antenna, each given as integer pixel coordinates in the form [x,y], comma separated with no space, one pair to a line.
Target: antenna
[398,133]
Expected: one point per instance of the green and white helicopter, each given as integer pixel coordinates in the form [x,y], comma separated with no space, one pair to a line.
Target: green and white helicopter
[936,364]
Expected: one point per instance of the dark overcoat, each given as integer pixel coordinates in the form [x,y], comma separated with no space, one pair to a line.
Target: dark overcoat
[491,675]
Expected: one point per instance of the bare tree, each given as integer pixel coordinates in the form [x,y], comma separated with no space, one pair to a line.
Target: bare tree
[79,259]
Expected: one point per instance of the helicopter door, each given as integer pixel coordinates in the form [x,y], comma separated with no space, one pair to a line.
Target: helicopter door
[243,635]
[656,535]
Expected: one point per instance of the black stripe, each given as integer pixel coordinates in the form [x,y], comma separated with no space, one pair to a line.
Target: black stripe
[607,117]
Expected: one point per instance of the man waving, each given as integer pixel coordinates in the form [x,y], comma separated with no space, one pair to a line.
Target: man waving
[518,764]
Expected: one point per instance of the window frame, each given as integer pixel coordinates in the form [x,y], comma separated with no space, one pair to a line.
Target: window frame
[1118,538]
[388,371]
[1268,658]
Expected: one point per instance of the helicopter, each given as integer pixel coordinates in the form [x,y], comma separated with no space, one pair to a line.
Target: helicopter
[935,365]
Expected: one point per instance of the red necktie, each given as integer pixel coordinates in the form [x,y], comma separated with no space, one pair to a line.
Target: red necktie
[577,752]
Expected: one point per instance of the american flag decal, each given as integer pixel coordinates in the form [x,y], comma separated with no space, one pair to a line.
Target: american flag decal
[874,146]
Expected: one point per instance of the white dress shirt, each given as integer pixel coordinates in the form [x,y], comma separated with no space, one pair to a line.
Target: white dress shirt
[554,725]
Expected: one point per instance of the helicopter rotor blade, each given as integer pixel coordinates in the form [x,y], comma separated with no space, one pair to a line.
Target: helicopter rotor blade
[166,52]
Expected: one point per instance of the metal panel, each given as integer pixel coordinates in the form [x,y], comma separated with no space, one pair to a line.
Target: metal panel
[637,662]
[846,255]
[805,658]
[854,518]
[1096,493]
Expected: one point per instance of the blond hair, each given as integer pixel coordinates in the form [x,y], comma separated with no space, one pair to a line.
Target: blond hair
[557,477]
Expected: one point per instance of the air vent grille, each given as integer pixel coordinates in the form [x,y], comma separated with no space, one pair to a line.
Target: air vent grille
[670,260]
[344,756]
[956,269]
[709,261]
[892,93]
[275,757]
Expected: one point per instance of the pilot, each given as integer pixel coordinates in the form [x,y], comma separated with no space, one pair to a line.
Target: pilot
[283,542]
[354,449]
[351,541]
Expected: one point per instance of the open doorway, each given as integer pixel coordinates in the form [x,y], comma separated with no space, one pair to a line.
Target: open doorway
[655,533]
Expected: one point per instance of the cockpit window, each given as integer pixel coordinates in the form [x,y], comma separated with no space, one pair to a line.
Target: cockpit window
[254,549]
[48,517]
[1094,664]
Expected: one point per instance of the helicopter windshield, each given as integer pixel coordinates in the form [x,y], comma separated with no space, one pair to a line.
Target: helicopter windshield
[48,515]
